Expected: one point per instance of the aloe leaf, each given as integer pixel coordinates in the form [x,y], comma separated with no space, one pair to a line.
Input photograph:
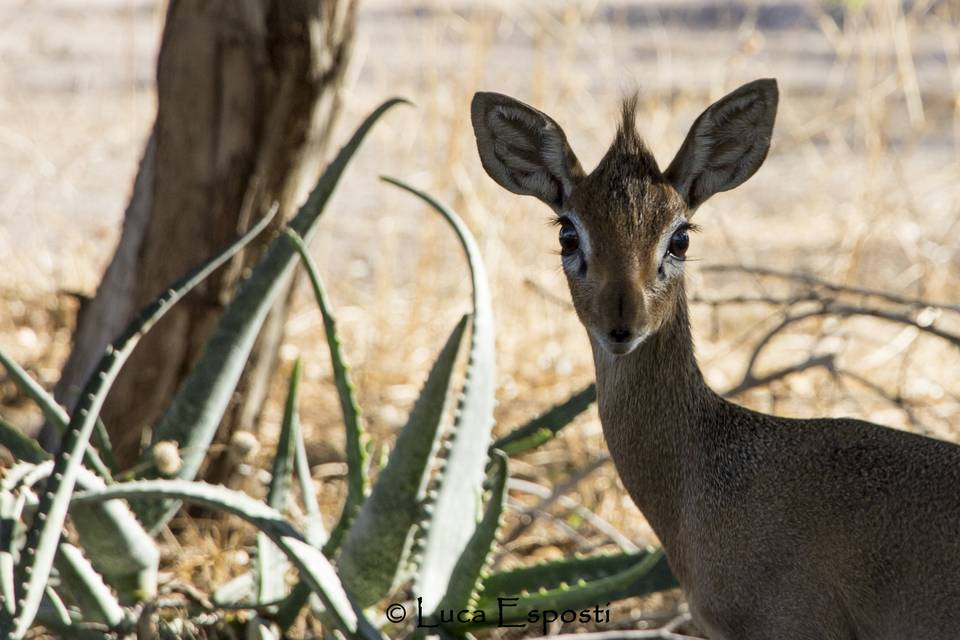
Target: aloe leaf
[271,565]
[59,610]
[313,520]
[243,586]
[313,566]
[546,426]
[10,508]
[650,575]
[283,463]
[44,534]
[379,540]
[553,574]
[114,541]
[11,529]
[460,494]
[6,582]
[22,447]
[316,535]
[195,412]
[20,470]
[235,591]
[117,544]
[55,414]
[86,588]
[61,622]
[356,451]
[82,582]
[466,575]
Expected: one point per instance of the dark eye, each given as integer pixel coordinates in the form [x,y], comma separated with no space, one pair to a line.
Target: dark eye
[679,243]
[569,240]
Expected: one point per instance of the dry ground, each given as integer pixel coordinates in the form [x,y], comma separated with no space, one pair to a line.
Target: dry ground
[861,188]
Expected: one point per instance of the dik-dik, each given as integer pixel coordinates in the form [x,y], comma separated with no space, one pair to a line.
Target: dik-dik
[777,528]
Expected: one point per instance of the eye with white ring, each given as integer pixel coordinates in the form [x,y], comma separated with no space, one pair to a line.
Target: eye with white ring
[680,242]
[569,239]
[574,244]
[674,249]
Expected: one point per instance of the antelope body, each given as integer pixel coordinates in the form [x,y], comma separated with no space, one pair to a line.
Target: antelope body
[776,528]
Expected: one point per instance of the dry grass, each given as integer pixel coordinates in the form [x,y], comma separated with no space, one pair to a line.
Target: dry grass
[861,188]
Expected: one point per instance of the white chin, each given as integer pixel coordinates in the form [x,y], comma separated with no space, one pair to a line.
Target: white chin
[622,348]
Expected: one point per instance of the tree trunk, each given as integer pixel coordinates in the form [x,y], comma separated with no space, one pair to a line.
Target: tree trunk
[248,91]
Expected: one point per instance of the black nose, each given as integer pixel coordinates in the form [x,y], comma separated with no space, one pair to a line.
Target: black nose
[620,334]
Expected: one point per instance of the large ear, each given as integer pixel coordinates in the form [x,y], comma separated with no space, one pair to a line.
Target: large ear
[727,143]
[524,150]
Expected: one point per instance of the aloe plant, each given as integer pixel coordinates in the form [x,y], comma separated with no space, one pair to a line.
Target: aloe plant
[44,533]
[427,520]
[201,402]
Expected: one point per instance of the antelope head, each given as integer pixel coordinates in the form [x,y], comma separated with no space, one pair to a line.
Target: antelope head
[624,227]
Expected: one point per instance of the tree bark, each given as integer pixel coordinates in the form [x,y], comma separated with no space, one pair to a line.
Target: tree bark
[248,93]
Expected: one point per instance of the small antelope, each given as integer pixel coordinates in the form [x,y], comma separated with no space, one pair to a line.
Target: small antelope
[777,528]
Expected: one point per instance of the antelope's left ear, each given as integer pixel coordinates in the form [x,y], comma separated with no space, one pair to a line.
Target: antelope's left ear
[727,143]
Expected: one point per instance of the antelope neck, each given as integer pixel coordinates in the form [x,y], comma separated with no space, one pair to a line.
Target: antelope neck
[652,402]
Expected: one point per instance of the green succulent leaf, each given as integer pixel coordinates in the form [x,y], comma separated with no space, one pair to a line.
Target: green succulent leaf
[285,460]
[238,590]
[458,505]
[650,575]
[466,575]
[315,532]
[11,506]
[22,447]
[313,566]
[313,520]
[553,574]
[271,564]
[355,437]
[86,587]
[546,426]
[55,414]
[60,614]
[377,544]
[43,537]
[119,548]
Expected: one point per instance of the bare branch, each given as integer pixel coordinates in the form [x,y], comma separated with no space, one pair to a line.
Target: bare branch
[815,281]
[749,381]
[568,503]
[744,300]
[830,308]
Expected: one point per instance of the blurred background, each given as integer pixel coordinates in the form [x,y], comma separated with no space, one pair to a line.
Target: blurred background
[859,196]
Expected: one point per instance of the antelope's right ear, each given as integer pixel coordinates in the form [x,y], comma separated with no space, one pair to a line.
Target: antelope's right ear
[524,150]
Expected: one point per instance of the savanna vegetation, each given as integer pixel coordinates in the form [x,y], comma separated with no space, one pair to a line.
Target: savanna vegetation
[826,286]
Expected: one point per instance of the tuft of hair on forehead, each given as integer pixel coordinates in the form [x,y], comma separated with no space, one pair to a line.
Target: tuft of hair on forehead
[628,146]
[628,138]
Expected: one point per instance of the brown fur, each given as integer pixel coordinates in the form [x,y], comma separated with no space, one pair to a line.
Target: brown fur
[776,528]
